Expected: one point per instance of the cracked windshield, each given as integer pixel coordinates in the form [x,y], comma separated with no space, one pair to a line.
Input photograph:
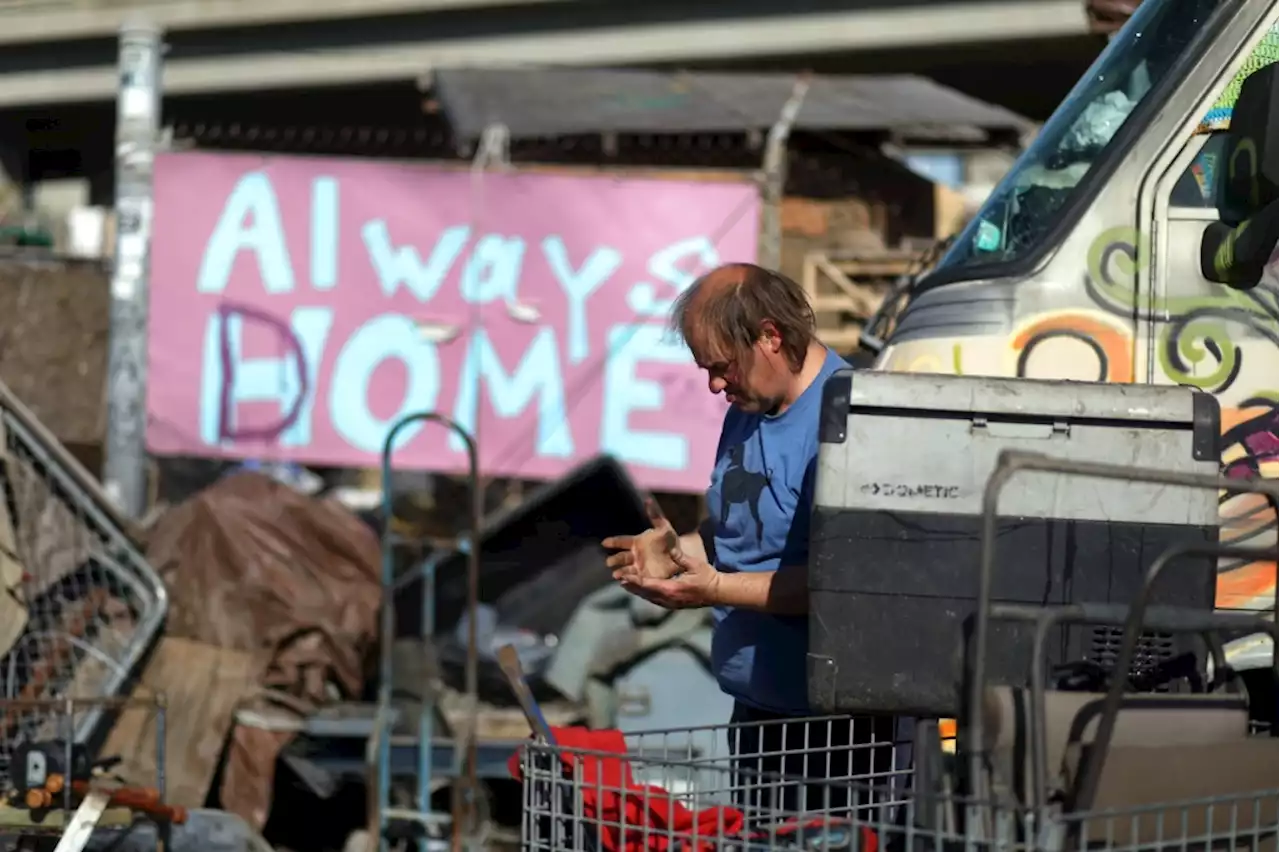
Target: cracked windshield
[1025,205]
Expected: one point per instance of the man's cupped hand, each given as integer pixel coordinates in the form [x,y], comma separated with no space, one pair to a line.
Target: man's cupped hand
[653,566]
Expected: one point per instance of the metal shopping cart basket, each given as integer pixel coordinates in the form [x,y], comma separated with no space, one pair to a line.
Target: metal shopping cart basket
[742,785]
[657,798]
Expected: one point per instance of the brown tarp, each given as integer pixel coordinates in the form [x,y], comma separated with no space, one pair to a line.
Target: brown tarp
[252,565]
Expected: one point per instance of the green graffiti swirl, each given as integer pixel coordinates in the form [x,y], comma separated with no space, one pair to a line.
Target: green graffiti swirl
[1118,254]
[1115,258]
[1194,331]
[1194,342]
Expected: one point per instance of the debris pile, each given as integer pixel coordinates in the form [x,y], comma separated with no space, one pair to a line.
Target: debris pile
[255,567]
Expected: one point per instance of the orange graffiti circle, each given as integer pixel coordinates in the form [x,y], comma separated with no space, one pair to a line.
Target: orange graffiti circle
[1112,344]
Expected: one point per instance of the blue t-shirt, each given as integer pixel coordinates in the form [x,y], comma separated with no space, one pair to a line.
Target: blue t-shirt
[760,499]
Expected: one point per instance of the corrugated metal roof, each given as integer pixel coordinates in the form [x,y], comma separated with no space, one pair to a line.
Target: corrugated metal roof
[566,102]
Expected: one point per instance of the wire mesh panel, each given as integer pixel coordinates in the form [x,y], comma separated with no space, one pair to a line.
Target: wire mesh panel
[839,787]
[759,785]
[1245,821]
[81,605]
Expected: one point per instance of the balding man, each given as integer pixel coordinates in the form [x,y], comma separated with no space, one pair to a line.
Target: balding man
[753,332]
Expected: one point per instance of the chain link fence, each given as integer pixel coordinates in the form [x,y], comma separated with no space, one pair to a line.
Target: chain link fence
[80,606]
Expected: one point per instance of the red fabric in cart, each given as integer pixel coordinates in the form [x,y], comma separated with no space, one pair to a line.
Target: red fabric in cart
[638,817]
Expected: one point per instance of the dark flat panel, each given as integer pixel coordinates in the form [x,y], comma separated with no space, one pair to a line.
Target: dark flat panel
[890,595]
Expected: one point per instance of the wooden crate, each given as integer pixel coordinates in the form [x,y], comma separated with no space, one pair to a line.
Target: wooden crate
[845,289]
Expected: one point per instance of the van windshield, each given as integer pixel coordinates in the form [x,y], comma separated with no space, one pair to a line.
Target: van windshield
[1025,206]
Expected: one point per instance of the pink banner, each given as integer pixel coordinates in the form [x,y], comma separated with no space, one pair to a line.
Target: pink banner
[300,307]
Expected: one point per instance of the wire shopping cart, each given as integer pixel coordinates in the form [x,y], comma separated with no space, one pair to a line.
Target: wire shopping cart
[677,789]
[574,800]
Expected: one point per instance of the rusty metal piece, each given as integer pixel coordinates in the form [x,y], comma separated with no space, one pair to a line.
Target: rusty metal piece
[144,800]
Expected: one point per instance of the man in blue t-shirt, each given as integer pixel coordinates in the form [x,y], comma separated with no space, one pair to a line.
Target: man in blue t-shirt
[753,332]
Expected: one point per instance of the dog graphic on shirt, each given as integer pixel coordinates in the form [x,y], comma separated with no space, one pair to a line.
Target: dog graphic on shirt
[739,485]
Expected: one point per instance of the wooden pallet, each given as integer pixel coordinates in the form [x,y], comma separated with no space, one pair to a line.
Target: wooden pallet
[846,289]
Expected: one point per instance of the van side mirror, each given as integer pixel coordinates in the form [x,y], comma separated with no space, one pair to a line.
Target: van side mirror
[1234,250]
[1252,168]
[1235,256]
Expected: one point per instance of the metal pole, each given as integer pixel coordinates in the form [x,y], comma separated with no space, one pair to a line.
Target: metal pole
[137,131]
[493,152]
[775,175]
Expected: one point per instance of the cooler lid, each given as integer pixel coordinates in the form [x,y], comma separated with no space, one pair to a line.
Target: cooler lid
[977,395]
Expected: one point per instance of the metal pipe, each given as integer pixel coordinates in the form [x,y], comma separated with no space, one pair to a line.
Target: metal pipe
[389,585]
[427,709]
[164,830]
[387,637]
[137,129]
[775,174]
[494,150]
[472,679]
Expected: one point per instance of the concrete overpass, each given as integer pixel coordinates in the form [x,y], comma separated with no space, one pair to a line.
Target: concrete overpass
[272,74]
[63,51]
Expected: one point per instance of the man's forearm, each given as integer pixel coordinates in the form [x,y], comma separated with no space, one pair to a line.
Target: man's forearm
[781,592]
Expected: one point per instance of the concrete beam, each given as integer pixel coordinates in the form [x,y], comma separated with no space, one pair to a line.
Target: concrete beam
[901,28]
[41,20]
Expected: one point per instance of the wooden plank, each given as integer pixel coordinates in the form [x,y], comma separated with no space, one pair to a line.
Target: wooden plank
[850,297]
[809,279]
[202,685]
[20,820]
[950,210]
[840,304]
[874,267]
[877,255]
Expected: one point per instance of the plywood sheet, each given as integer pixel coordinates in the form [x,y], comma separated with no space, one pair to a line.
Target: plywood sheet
[202,684]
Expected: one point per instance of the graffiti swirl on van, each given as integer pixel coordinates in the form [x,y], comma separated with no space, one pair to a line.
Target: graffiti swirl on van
[1198,336]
